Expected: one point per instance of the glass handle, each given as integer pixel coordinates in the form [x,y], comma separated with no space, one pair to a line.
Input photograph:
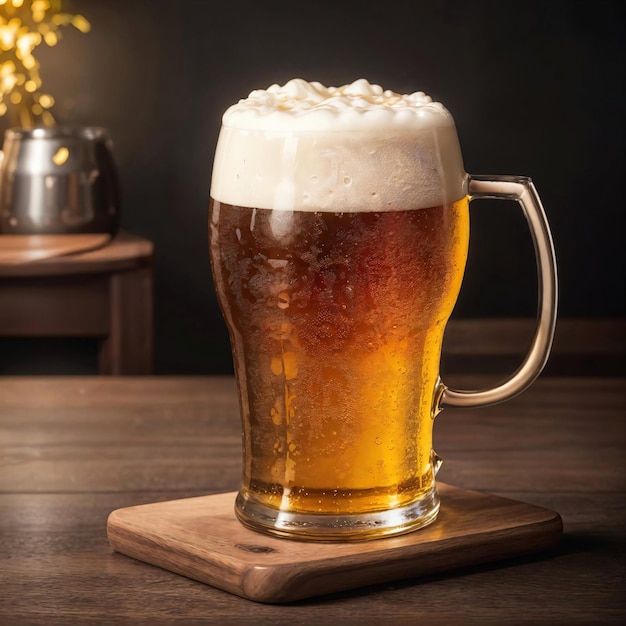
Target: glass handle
[523,191]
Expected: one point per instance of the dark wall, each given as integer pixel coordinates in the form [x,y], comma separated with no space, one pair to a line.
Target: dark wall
[536,88]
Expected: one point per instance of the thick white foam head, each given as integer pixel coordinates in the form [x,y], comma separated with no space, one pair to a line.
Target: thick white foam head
[307,147]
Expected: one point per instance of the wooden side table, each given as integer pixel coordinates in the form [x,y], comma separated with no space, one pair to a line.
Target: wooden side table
[105,293]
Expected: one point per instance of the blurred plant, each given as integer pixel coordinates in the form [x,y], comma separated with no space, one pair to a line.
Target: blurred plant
[24,25]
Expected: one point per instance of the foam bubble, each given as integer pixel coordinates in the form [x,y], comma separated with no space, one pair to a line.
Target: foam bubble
[304,146]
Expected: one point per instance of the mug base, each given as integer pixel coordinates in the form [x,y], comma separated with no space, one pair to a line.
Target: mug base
[349,527]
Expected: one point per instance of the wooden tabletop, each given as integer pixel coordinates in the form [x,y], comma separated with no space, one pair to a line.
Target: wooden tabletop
[74,449]
[61,255]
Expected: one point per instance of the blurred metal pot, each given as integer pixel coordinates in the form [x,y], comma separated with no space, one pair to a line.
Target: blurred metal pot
[58,180]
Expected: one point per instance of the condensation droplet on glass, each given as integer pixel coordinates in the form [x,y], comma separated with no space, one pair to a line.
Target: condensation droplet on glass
[347,181]
[275,415]
[286,330]
[276,365]
[283,300]
[378,441]
[289,365]
[277,264]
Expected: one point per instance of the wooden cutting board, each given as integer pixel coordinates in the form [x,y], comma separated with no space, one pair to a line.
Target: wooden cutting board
[200,538]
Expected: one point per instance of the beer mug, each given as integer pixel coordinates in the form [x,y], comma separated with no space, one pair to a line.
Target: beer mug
[339,231]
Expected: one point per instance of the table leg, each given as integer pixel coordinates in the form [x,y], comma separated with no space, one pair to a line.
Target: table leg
[128,348]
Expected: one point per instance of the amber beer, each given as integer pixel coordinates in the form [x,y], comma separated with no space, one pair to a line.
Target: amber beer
[337,322]
[339,234]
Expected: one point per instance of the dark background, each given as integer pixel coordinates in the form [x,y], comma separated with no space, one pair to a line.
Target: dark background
[536,88]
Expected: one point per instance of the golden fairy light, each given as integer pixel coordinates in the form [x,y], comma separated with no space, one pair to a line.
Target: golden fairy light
[24,25]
